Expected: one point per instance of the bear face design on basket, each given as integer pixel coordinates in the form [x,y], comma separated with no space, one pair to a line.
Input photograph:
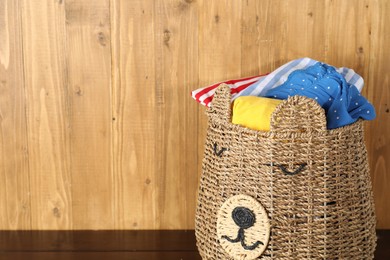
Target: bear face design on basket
[299,191]
[243,227]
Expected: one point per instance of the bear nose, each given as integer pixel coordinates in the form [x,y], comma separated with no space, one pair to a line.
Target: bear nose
[243,217]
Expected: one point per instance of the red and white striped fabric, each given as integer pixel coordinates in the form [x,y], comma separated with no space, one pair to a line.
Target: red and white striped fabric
[205,95]
[259,85]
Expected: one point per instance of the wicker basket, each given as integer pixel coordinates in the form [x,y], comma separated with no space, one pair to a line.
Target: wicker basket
[299,191]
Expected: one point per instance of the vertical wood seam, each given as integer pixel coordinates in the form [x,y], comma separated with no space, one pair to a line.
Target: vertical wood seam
[115,88]
[158,121]
[112,75]
[113,190]
[68,110]
[20,9]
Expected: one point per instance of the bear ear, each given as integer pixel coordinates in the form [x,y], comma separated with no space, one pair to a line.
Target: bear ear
[221,106]
[298,114]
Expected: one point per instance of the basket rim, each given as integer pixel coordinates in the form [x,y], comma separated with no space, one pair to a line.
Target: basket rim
[267,134]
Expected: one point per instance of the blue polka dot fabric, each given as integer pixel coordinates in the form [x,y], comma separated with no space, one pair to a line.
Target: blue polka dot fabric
[341,101]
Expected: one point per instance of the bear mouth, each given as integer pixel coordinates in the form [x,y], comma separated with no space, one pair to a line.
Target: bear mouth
[244,218]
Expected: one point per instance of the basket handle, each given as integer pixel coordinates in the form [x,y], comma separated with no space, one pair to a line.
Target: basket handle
[298,114]
[221,107]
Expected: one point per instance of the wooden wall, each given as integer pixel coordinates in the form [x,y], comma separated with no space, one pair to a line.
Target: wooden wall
[97,126]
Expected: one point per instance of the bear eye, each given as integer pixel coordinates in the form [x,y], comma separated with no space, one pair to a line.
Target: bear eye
[296,171]
[218,152]
[284,169]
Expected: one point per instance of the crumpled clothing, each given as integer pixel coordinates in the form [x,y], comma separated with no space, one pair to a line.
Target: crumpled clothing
[337,90]
[258,85]
[254,112]
[341,100]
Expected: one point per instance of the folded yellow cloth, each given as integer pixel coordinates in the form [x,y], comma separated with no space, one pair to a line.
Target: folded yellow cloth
[254,112]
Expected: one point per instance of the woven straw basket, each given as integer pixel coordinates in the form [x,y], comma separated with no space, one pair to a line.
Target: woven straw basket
[299,191]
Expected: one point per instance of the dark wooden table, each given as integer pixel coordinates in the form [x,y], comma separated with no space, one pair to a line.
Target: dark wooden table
[116,245]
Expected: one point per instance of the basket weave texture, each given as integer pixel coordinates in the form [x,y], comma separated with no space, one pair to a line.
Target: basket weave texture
[313,183]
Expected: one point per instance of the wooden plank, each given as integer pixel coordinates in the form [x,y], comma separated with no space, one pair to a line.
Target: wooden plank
[219,51]
[377,137]
[102,255]
[262,29]
[89,93]
[220,40]
[44,52]
[276,32]
[383,250]
[134,100]
[176,55]
[103,241]
[116,245]
[14,179]
[347,30]
[305,23]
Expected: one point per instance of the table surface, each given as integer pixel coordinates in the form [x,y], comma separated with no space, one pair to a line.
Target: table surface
[116,245]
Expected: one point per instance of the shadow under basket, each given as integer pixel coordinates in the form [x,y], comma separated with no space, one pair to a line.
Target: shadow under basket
[299,191]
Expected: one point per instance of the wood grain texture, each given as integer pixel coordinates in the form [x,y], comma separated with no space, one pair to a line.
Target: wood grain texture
[348,35]
[120,244]
[89,93]
[44,52]
[219,51]
[261,42]
[377,137]
[97,241]
[15,211]
[97,126]
[176,53]
[135,99]
[192,255]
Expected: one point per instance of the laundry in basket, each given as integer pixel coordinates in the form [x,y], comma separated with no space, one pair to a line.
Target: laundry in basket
[297,191]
